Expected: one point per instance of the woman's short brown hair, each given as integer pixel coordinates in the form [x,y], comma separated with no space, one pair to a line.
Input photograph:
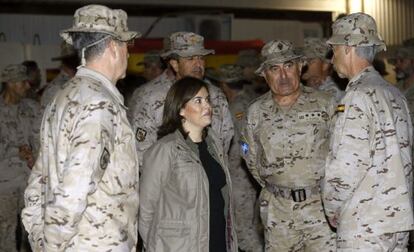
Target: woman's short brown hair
[179,94]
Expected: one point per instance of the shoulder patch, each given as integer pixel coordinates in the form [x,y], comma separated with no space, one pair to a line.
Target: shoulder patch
[140,134]
[105,157]
[244,146]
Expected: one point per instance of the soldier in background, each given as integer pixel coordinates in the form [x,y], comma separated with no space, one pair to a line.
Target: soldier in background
[69,61]
[35,79]
[368,178]
[403,61]
[284,142]
[319,68]
[249,60]
[185,57]
[83,190]
[153,65]
[248,227]
[17,153]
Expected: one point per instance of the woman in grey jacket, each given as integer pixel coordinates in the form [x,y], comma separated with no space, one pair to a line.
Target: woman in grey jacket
[185,191]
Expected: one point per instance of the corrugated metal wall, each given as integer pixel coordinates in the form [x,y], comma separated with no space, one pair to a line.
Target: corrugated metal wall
[395,18]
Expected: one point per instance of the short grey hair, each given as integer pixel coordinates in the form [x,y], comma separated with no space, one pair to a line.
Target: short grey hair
[366,52]
[84,39]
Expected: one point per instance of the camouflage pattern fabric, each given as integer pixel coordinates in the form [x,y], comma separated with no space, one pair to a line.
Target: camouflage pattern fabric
[248,225]
[395,242]
[101,19]
[227,73]
[83,190]
[277,51]
[147,106]
[52,88]
[357,29]
[185,44]
[287,149]
[248,58]
[330,87]
[14,73]
[368,176]
[315,48]
[17,129]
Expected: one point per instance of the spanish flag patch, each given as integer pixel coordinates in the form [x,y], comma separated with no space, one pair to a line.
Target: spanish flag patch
[340,108]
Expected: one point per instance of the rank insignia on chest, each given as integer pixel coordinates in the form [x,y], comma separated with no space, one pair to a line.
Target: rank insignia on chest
[239,115]
[140,134]
[105,156]
[340,108]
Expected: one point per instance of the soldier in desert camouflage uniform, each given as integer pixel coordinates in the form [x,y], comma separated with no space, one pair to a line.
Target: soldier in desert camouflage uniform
[153,65]
[69,61]
[367,187]
[83,190]
[232,81]
[319,67]
[17,135]
[249,60]
[186,58]
[284,143]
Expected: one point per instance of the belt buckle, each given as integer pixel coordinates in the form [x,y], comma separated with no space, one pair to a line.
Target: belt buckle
[298,195]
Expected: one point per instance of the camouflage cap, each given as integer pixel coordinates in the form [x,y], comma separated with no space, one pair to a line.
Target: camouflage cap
[101,19]
[151,57]
[357,29]
[227,73]
[66,51]
[276,52]
[248,58]
[14,73]
[186,44]
[315,48]
[402,52]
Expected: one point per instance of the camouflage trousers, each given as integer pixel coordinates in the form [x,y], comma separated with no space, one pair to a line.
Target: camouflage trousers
[295,226]
[248,226]
[395,242]
[9,208]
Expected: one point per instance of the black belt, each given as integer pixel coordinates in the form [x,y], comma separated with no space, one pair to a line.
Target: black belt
[296,194]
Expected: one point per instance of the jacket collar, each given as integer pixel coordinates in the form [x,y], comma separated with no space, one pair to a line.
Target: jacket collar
[106,83]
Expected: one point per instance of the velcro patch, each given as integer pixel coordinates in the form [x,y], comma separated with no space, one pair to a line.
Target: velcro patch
[140,134]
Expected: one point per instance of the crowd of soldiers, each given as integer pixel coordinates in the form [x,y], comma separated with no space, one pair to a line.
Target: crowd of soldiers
[313,167]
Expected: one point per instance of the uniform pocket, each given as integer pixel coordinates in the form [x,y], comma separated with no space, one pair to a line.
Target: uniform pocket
[173,236]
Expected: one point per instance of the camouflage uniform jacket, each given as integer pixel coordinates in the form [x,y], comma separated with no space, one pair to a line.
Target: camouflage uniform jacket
[330,87]
[367,186]
[147,105]
[53,87]
[17,128]
[238,109]
[409,95]
[83,190]
[288,149]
